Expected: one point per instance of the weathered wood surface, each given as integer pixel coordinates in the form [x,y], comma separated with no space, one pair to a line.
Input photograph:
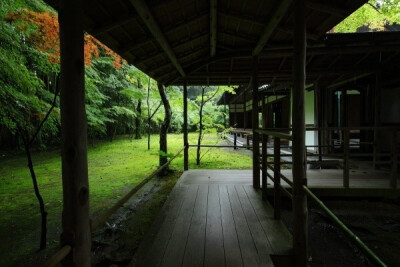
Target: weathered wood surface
[214,221]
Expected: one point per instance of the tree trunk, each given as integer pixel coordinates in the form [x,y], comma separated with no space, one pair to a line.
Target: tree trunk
[200,128]
[165,125]
[138,120]
[43,212]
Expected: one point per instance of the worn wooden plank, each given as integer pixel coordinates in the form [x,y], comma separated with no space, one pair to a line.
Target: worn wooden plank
[278,235]
[175,250]
[247,246]
[233,256]
[214,247]
[194,252]
[260,239]
[160,242]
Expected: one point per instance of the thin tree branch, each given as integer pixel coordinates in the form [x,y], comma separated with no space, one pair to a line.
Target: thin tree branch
[53,104]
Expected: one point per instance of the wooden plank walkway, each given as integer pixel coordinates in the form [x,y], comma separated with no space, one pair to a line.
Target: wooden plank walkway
[213,221]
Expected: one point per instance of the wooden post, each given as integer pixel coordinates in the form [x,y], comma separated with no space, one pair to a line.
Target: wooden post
[244,109]
[256,142]
[300,213]
[377,115]
[234,140]
[277,178]
[318,101]
[393,178]
[185,130]
[346,150]
[75,216]
[235,117]
[264,169]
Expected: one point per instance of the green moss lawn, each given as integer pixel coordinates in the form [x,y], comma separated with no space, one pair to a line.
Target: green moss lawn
[114,168]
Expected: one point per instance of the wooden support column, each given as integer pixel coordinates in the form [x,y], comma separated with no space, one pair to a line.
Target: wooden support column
[75,216]
[264,168]
[234,140]
[245,111]
[300,213]
[185,130]
[256,141]
[377,117]
[318,108]
[394,174]
[346,164]
[277,178]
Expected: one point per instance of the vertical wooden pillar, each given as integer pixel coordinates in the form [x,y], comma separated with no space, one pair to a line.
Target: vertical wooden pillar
[394,175]
[234,140]
[235,117]
[377,117]
[264,137]
[75,217]
[185,129]
[256,141]
[346,150]
[277,178]
[318,108]
[300,213]
[245,111]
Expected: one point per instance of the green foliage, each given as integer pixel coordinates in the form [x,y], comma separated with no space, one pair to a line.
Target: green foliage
[375,14]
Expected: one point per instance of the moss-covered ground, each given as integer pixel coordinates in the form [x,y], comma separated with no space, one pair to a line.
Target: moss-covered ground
[114,168]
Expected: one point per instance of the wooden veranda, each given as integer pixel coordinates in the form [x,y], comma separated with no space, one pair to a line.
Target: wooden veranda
[181,42]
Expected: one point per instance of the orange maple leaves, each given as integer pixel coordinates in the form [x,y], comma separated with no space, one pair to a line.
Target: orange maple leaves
[46,38]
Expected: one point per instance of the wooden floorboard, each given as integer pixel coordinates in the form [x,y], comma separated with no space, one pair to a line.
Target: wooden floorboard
[276,232]
[214,246]
[175,250]
[213,224]
[233,257]
[247,246]
[194,251]
[260,239]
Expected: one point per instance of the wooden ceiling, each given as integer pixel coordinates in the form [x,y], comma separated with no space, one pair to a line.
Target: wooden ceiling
[212,42]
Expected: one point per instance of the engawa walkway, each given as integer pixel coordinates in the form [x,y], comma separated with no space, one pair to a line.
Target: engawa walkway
[214,218]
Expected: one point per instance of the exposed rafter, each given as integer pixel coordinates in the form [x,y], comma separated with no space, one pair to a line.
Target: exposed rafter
[113,24]
[327,8]
[213,27]
[152,25]
[271,26]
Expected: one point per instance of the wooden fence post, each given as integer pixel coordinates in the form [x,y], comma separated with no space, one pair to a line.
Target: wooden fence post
[300,213]
[234,140]
[185,130]
[346,167]
[264,168]
[75,216]
[277,178]
[256,141]
[393,179]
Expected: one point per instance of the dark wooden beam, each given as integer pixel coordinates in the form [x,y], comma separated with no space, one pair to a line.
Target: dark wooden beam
[75,216]
[174,46]
[213,27]
[275,19]
[154,28]
[113,24]
[300,238]
[327,8]
[147,40]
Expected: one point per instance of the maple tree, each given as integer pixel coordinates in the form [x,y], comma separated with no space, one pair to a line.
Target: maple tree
[42,29]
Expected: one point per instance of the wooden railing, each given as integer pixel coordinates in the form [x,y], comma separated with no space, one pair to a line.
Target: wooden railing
[65,250]
[347,146]
[278,188]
